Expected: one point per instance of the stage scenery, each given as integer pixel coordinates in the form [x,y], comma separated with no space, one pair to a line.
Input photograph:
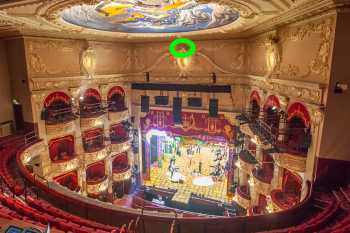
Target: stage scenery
[191,162]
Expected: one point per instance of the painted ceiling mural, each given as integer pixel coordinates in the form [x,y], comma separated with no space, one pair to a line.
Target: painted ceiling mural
[150,16]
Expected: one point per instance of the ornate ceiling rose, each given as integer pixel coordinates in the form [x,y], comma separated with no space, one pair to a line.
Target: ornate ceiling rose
[150,16]
[144,18]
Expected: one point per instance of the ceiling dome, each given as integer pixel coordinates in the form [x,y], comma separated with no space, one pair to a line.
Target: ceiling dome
[150,16]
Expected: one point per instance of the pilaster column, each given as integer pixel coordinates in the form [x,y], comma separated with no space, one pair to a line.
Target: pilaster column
[243,179]
[317,117]
[45,162]
[277,177]
[259,153]
[109,173]
[37,107]
[284,101]
[254,195]
[82,179]
[106,126]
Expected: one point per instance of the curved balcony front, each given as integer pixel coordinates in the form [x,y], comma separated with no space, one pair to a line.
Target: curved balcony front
[121,174]
[59,129]
[262,181]
[282,201]
[291,162]
[247,161]
[91,122]
[92,157]
[243,196]
[97,186]
[117,148]
[58,168]
[117,117]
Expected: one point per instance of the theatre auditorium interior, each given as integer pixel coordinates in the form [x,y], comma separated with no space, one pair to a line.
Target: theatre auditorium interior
[174,116]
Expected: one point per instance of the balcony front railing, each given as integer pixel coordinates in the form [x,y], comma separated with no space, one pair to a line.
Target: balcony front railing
[58,116]
[279,138]
[91,110]
[93,144]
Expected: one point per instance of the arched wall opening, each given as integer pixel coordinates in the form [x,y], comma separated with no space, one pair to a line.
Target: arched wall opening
[298,136]
[271,112]
[116,99]
[254,105]
[57,108]
[90,103]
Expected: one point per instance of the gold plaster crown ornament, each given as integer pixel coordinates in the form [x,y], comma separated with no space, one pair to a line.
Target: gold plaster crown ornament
[88,61]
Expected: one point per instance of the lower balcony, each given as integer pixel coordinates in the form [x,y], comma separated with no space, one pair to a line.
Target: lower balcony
[282,200]
[96,186]
[247,161]
[121,174]
[243,196]
[262,181]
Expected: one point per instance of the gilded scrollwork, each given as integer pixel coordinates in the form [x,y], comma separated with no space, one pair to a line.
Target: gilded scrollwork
[319,64]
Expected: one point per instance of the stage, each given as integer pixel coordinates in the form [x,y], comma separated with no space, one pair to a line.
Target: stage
[201,172]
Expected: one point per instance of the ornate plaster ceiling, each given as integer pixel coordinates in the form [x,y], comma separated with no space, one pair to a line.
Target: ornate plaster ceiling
[150,16]
[241,18]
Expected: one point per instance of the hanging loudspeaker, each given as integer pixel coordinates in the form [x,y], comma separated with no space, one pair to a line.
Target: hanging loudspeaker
[144,103]
[213,107]
[177,105]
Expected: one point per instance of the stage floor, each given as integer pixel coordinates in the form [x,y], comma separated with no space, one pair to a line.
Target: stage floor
[203,185]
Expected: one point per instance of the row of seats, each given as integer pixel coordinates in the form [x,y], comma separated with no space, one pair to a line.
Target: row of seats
[15,205]
[46,207]
[333,217]
[6,154]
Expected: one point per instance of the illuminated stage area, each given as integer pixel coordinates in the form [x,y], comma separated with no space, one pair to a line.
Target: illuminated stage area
[188,166]
[197,168]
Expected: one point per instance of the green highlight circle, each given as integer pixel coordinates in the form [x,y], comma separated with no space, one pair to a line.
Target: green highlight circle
[191,48]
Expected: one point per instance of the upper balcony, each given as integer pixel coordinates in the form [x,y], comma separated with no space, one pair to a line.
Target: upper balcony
[288,145]
[58,109]
[56,115]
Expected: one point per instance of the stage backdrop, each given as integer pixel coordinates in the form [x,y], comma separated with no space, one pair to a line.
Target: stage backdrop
[198,125]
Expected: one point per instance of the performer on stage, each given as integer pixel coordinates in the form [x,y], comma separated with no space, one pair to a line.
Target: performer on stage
[171,167]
